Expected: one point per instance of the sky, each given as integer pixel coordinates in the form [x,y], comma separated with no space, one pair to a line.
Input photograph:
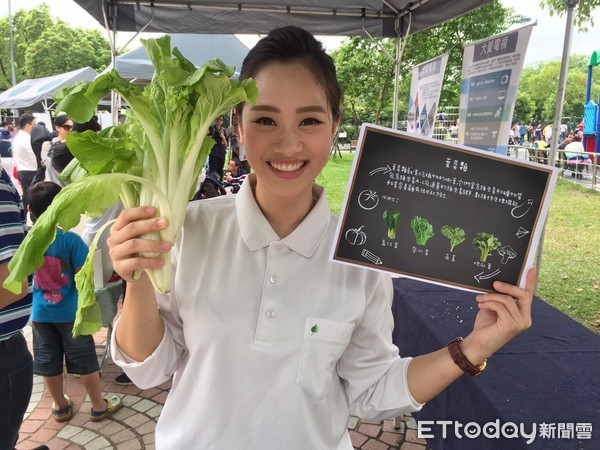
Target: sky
[546,41]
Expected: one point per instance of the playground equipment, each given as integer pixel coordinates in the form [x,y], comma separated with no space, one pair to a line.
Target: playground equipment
[591,115]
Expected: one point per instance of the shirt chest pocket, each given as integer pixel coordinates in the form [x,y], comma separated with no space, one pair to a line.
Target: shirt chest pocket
[324,343]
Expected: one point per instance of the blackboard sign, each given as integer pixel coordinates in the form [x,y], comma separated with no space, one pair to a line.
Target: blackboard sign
[441,212]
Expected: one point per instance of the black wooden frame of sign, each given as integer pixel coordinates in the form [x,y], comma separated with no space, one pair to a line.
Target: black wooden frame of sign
[441,212]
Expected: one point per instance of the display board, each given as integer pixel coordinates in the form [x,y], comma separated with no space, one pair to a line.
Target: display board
[441,212]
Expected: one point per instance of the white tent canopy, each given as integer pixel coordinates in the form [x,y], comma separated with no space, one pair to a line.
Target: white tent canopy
[198,48]
[35,90]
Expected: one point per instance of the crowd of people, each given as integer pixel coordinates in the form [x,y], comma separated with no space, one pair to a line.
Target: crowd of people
[281,365]
[32,161]
[522,133]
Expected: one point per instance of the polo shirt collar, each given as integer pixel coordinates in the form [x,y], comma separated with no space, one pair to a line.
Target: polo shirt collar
[258,233]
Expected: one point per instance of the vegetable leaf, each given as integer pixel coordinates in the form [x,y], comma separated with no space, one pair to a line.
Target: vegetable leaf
[89,195]
[153,159]
[455,235]
[391,219]
[486,243]
[422,229]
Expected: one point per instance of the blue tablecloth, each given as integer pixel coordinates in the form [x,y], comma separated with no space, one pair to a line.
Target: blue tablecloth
[550,374]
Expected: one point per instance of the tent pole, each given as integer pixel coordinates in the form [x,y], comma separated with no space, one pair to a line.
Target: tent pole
[562,80]
[562,84]
[400,45]
[396,82]
[12,52]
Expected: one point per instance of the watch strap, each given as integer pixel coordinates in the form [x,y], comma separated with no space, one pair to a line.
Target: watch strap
[461,360]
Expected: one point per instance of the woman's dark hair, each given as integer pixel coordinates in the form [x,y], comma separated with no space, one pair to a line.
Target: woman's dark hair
[39,197]
[293,43]
[61,156]
[91,124]
[61,120]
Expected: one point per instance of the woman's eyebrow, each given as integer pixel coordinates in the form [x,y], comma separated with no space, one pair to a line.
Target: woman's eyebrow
[303,109]
[311,108]
[266,108]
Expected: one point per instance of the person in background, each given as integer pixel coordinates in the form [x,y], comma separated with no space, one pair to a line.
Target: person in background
[23,154]
[210,187]
[576,157]
[54,306]
[16,366]
[280,366]
[59,154]
[94,224]
[244,164]
[40,138]
[235,175]
[233,138]
[13,131]
[5,144]
[548,130]
[454,129]
[529,129]
[216,158]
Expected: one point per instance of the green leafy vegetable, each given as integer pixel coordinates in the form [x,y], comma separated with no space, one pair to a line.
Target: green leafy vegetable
[391,221]
[455,235]
[422,229]
[154,158]
[486,243]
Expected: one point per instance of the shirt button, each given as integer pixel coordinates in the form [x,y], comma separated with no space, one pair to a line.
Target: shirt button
[269,314]
[273,279]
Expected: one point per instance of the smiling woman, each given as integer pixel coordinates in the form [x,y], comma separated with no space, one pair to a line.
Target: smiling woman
[301,338]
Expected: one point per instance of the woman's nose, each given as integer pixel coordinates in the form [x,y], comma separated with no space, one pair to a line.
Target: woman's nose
[288,143]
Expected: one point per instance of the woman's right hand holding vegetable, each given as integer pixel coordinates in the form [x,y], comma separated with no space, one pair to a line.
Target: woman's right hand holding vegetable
[140,328]
[126,244]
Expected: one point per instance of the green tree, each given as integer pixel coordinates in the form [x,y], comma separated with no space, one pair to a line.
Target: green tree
[584,11]
[61,48]
[539,84]
[44,47]
[367,74]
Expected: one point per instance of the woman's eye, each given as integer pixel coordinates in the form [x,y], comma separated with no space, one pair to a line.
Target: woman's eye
[311,121]
[265,121]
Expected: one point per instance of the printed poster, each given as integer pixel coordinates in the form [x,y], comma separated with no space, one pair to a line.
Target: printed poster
[490,78]
[425,89]
[441,212]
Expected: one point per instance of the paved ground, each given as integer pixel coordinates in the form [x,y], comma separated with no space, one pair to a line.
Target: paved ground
[133,426]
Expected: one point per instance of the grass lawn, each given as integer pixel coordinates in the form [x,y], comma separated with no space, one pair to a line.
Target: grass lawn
[570,268]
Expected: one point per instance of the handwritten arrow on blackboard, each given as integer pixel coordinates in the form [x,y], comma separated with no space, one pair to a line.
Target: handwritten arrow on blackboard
[522,232]
[480,275]
[385,170]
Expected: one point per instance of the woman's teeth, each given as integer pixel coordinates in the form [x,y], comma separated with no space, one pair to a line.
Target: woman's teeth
[286,167]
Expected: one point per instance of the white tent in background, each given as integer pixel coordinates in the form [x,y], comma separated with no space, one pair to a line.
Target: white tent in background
[35,90]
[198,48]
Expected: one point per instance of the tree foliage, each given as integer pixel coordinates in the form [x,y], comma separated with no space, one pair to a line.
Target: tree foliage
[584,11]
[536,97]
[367,74]
[44,47]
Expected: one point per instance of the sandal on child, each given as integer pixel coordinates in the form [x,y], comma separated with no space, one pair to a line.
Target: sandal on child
[113,404]
[63,414]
